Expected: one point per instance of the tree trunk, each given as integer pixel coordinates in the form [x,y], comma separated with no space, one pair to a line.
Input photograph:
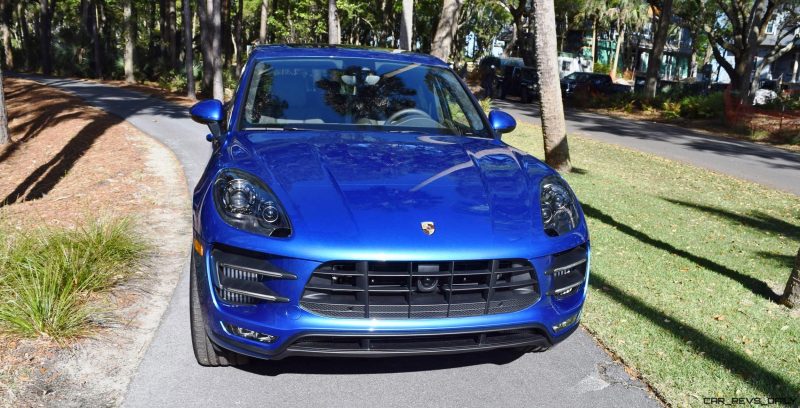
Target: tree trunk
[216,47]
[95,35]
[334,36]
[791,295]
[659,41]
[3,117]
[594,41]
[205,47]
[407,25]
[556,150]
[796,66]
[615,59]
[25,35]
[747,88]
[262,32]
[172,33]
[46,35]
[5,28]
[127,16]
[237,37]
[188,57]
[442,44]
[564,33]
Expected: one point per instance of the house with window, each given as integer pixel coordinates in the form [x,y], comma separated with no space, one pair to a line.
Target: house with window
[784,69]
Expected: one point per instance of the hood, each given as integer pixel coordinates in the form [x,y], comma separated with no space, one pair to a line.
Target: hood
[376,189]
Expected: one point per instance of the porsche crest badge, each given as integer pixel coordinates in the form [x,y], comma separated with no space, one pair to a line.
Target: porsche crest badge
[428,228]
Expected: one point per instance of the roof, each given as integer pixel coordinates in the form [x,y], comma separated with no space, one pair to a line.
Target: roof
[294,51]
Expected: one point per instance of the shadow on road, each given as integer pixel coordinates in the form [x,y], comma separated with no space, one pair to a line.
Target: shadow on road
[354,366]
[580,121]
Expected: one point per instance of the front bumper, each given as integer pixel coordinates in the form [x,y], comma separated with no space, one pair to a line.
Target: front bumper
[297,331]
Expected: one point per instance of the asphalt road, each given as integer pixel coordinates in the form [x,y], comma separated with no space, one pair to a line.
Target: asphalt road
[575,373]
[762,164]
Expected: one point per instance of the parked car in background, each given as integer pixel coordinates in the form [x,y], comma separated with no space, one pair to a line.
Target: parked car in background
[590,83]
[360,203]
[520,81]
[491,70]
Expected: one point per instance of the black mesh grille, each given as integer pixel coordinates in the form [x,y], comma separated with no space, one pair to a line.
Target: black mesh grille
[403,290]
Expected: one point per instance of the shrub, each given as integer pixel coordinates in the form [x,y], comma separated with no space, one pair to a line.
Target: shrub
[709,106]
[601,68]
[173,81]
[48,278]
[486,104]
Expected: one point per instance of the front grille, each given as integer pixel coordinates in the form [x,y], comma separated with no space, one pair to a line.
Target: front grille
[463,341]
[415,290]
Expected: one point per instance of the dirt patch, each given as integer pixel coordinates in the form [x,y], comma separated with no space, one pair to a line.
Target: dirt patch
[69,163]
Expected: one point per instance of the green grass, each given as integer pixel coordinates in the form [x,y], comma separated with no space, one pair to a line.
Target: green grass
[50,278]
[683,264]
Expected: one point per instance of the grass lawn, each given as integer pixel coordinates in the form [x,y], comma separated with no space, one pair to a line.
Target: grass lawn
[685,262]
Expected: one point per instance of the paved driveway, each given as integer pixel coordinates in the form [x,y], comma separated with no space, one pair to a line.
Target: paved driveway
[762,164]
[576,373]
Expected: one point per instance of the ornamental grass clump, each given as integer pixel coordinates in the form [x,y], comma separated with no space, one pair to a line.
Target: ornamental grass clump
[50,278]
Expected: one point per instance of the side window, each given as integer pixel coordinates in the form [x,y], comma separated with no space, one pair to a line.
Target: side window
[452,100]
[456,111]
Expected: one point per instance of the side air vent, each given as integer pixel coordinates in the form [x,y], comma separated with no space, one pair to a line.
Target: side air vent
[568,272]
[240,278]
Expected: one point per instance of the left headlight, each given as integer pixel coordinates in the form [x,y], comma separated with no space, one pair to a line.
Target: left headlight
[559,212]
[245,202]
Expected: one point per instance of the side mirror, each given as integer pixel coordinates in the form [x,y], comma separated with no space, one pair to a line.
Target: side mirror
[209,112]
[502,122]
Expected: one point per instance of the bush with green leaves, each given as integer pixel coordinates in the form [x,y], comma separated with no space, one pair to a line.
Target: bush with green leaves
[50,278]
[173,81]
[711,106]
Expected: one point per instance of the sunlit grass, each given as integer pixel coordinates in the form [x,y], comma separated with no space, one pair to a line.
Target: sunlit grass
[49,277]
[684,264]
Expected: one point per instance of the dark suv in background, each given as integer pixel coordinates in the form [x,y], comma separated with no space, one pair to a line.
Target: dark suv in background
[520,81]
[590,83]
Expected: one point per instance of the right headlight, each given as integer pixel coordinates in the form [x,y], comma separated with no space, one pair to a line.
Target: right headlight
[245,202]
[559,213]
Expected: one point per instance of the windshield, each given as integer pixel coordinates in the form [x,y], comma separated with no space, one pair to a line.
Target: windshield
[359,94]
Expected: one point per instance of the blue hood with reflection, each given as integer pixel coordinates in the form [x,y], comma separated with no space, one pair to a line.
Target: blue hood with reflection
[375,189]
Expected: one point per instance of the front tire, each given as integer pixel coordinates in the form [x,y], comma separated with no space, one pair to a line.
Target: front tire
[206,352]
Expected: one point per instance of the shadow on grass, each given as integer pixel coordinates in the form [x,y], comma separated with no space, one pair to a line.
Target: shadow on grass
[756,286]
[766,381]
[756,219]
[786,261]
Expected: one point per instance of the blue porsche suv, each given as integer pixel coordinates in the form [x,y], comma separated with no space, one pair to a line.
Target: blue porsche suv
[358,202]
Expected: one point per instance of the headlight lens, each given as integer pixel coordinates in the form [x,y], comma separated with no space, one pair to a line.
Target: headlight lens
[245,202]
[559,213]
